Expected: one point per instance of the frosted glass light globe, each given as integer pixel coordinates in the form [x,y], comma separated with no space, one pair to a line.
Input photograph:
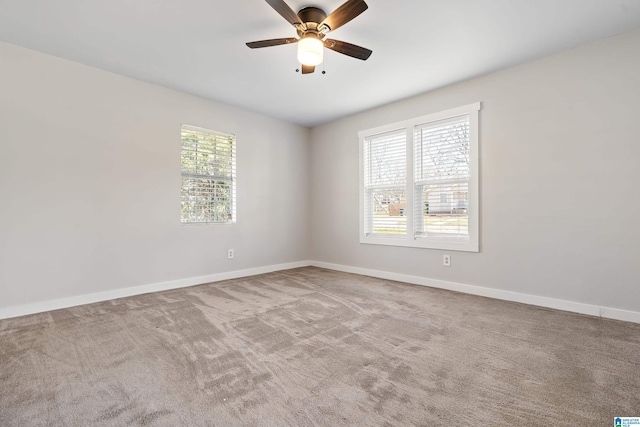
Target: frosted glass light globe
[310,51]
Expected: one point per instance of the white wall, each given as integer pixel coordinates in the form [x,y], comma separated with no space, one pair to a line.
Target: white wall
[559,137]
[90,183]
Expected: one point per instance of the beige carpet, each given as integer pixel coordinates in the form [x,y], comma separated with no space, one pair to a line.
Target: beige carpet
[313,347]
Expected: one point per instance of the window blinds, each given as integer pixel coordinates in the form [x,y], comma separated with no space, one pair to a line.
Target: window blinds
[208,176]
[442,177]
[385,177]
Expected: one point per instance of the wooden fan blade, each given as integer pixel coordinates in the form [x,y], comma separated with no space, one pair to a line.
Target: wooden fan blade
[271,42]
[308,69]
[344,14]
[285,11]
[348,49]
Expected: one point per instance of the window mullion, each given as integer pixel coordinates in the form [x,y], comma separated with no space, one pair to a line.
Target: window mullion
[409,212]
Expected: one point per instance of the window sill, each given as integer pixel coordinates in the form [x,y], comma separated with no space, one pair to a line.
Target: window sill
[449,244]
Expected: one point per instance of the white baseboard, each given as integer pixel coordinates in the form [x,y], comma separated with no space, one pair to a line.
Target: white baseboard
[575,307]
[39,307]
[593,310]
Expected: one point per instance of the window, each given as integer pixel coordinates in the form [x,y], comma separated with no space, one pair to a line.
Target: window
[208,176]
[386,183]
[419,182]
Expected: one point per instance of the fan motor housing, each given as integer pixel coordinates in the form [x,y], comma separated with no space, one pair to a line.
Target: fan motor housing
[312,15]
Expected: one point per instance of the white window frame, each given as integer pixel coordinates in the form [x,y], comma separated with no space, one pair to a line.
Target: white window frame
[231,180]
[472,244]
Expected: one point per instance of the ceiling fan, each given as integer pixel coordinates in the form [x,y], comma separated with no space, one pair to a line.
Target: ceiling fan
[312,25]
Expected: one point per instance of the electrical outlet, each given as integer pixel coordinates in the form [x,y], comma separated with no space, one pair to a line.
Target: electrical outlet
[446,260]
[230,254]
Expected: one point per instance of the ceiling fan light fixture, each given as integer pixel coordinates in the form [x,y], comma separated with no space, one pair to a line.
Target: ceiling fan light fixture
[310,51]
[312,25]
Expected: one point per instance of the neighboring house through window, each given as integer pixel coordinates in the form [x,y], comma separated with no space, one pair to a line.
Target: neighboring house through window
[208,176]
[419,182]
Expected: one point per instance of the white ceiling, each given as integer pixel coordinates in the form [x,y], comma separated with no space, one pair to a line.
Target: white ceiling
[198,46]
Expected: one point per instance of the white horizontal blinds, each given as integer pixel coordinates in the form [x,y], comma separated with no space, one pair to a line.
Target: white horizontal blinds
[385,183]
[208,176]
[442,175]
